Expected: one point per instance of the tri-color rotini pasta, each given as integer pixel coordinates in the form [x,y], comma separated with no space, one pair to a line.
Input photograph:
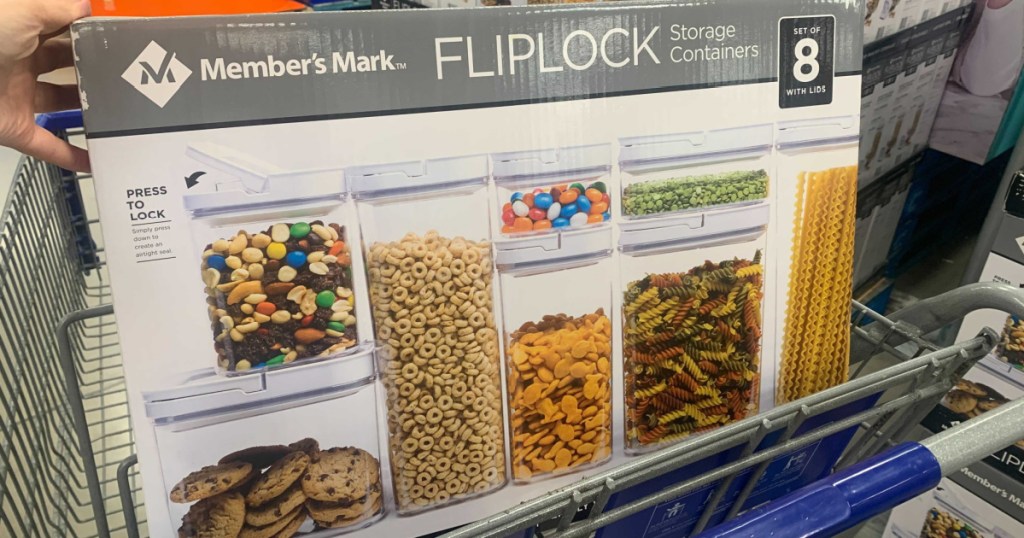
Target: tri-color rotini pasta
[816,341]
[691,348]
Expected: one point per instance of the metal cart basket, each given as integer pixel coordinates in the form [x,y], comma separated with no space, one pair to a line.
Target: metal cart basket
[66,450]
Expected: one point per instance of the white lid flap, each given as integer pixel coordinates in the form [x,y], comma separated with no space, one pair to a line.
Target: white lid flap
[419,176]
[205,392]
[697,144]
[552,247]
[640,234]
[517,164]
[820,130]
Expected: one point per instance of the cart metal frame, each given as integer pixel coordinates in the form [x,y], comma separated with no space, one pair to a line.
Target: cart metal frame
[67,466]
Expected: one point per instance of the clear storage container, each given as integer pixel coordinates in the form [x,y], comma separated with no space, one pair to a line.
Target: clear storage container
[674,173]
[950,519]
[273,445]
[425,233]
[692,299]
[556,302]
[555,189]
[273,250]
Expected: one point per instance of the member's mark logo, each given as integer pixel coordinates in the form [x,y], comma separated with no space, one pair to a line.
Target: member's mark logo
[157,74]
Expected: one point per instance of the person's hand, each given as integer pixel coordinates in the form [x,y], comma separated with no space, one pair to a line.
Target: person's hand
[29,48]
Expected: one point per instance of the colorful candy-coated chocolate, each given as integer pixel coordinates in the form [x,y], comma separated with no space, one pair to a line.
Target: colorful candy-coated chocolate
[537,191]
[593,219]
[542,200]
[337,247]
[538,214]
[555,192]
[578,187]
[276,360]
[299,230]
[295,258]
[593,195]
[276,251]
[216,261]
[507,207]
[568,197]
[599,185]
[554,211]
[583,204]
[598,208]
[520,208]
[522,224]
[568,210]
[517,196]
[578,219]
[528,198]
[607,215]
[325,299]
[508,217]
[507,229]
[306,320]
[542,224]
[560,222]
[336,326]
[606,199]
[266,308]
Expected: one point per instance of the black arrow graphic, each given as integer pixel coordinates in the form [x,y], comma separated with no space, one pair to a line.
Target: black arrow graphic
[193,180]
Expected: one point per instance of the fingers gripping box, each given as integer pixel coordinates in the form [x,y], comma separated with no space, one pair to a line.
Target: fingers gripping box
[385,273]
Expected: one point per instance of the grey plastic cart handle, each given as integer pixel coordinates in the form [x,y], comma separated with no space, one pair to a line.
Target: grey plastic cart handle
[934,313]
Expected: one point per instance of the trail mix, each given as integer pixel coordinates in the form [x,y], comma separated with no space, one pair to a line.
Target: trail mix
[691,192]
[559,378]
[941,524]
[1011,343]
[280,295]
[691,349]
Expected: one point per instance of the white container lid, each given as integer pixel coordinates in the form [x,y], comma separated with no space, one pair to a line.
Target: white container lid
[515,165]
[416,176]
[711,226]
[697,145]
[592,241]
[818,131]
[203,394]
[256,181]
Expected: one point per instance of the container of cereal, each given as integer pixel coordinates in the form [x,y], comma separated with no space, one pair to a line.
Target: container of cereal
[554,189]
[666,174]
[273,252]
[265,448]
[425,229]
[557,299]
[692,298]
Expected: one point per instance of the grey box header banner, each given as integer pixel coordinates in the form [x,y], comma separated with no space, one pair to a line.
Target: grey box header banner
[150,75]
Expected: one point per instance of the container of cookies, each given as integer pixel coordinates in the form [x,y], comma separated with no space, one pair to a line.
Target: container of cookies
[542,191]
[678,173]
[425,230]
[692,300]
[264,454]
[280,278]
[556,301]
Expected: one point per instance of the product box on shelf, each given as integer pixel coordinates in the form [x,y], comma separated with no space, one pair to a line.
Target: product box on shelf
[387,273]
[953,510]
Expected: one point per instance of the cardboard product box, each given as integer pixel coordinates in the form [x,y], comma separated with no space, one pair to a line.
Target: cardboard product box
[868,200]
[391,272]
[952,510]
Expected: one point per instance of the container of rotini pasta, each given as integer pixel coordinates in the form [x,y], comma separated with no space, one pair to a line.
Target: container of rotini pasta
[425,230]
[552,190]
[817,171]
[556,307]
[692,299]
[694,171]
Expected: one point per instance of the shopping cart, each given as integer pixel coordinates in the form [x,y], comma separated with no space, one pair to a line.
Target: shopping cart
[66,450]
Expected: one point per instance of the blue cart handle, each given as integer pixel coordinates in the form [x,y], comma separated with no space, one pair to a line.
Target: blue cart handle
[841,501]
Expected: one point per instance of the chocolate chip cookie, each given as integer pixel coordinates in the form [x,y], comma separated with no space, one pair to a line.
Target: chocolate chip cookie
[220,516]
[340,474]
[268,531]
[293,527]
[210,480]
[275,480]
[959,401]
[329,511]
[277,508]
[348,522]
[260,457]
[308,445]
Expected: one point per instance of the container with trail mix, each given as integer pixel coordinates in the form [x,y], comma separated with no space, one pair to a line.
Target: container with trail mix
[275,263]
[949,518]
[686,172]
[556,311]
[692,300]
[425,229]
[561,189]
[267,446]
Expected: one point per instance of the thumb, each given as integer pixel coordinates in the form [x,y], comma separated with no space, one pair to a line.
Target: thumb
[54,15]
